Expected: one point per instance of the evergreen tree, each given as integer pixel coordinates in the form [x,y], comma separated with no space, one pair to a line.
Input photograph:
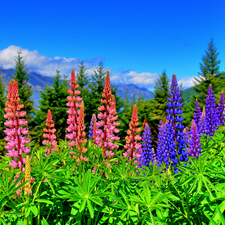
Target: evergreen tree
[209,74]
[2,113]
[25,90]
[82,76]
[160,98]
[53,98]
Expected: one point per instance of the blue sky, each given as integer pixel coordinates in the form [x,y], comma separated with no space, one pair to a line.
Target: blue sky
[137,40]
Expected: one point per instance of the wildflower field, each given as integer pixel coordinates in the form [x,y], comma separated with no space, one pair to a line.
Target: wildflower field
[94,179]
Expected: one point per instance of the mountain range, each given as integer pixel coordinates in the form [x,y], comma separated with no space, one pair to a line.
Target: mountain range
[38,81]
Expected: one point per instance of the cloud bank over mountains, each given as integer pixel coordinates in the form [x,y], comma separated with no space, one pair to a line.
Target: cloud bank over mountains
[47,66]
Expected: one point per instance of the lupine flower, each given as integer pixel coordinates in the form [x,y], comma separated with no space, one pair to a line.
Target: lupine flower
[175,127]
[91,127]
[16,141]
[211,118]
[81,136]
[197,113]
[220,110]
[94,132]
[74,104]
[147,152]
[202,123]
[107,121]
[163,147]
[132,146]
[49,134]
[27,187]
[195,146]
[187,135]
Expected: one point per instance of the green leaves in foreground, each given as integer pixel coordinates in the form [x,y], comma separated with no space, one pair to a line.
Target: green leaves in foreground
[85,193]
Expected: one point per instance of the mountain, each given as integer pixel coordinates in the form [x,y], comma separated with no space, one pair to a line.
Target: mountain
[38,81]
[187,93]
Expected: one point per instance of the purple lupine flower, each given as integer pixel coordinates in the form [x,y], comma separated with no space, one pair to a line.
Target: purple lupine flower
[195,146]
[91,127]
[197,113]
[202,124]
[210,113]
[187,135]
[147,153]
[162,147]
[220,110]
[175,133]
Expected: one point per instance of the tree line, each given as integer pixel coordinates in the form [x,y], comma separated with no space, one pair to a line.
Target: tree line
[150,111]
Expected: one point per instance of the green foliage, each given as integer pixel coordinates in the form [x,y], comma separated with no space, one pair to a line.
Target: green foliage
[65,192]
[2,113]
[53,98]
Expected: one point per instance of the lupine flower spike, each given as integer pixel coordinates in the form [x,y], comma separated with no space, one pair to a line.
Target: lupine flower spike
[49,134]
[81,136]
[108,121]
[27,187]
[132,146]
[187,135]
[163,147]
[195,146]
[94,132]
[147,151]
[16,141]
[74,104]
[211,118]
[202,124]
[91,127]
[197,113]
[175,127]
[220,110]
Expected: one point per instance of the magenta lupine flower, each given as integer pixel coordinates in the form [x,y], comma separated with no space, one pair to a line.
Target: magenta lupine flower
[50,134]
[106,136]
[195,146]
[220,110]
[16,142]
[202,123]
[74,104]
[197,113]
[133,147]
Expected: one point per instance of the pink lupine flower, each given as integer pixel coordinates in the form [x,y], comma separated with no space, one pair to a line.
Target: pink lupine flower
[49,134]
[81,135]
[107,119]
[74,103]
[15,140]
[132,146]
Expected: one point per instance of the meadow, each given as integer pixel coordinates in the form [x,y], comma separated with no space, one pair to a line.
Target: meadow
[95,180]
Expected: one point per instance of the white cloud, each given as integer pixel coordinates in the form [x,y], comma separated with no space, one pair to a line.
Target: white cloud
[187,82]
[145,79]
[42,64]
[47,66]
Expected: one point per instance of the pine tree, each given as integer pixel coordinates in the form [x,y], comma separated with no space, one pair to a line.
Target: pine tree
[25,90]
[2,113]
[160,98]
[82,76]
[53,98]
[209,74]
